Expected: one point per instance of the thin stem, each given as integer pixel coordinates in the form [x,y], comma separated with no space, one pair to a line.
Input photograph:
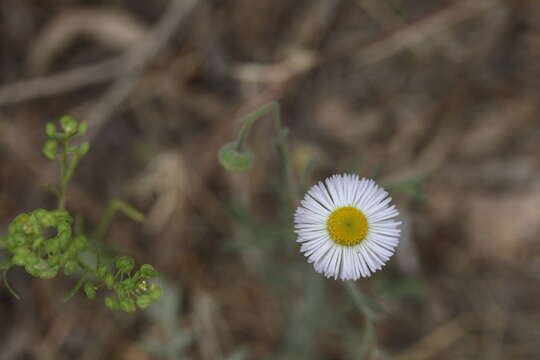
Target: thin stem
[8,286]
[363,304]
[85,267]
[75,289]
[282,148]
[63,184]
[68,164]
[71,169]
[113,207]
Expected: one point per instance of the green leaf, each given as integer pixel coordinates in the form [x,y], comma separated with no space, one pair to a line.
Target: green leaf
[234,159]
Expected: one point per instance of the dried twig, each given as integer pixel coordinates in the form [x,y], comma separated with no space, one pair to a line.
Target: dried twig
[69,80]
[419,32]
[139,58]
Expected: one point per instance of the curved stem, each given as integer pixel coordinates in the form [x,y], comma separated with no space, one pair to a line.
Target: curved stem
[282,148]
[115,205]
[8,286]
[85,267]
[75,289]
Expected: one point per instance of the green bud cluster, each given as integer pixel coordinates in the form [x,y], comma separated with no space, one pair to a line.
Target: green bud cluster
[69,127]
[44,243]
[132,289]
[43,256]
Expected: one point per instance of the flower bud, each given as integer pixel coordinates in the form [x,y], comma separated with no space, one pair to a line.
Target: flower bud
[155,292]
[125,264]
[47,219]
[148,271]
[101,271]
[111,303]
[144,301]
[50,149]
[69,125]
[129,284]
[83,127]
[63,233]
[80,243]
[52,245]
[90,290]
[42,270]
[128,305]
[19,260]
[50,129]
[38,241]
[84,148]
[233,159]
[109,281]
[62,216]
[31,259]
[70,267]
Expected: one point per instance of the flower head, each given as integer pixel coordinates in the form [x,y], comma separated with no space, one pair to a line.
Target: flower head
[346,227]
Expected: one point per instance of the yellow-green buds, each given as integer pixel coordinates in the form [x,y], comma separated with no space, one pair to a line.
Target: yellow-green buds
[69,125]
[42,257]
[101,271]
[44,253]
[125,264]
[50,149]
[84,148]
[83,128]
[148,271]
[155,292]
[90,290]
[50,129]
[58,142]
[111,303]
[109,281]
[144,301]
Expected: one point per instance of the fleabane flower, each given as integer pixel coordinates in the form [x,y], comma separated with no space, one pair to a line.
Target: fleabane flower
[346,227]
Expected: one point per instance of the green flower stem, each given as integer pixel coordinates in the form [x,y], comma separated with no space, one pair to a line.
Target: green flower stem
[63,183]
[85,267]
[282,148]
[75,289]
[364,304]
[115,205]
[8,286]
[67,169]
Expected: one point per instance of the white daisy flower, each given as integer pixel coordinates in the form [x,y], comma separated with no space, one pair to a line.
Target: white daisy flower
[345,226]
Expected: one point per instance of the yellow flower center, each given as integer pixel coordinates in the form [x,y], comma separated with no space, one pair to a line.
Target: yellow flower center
[347,226]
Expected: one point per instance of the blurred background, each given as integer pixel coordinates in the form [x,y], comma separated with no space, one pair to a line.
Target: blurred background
[437,100]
